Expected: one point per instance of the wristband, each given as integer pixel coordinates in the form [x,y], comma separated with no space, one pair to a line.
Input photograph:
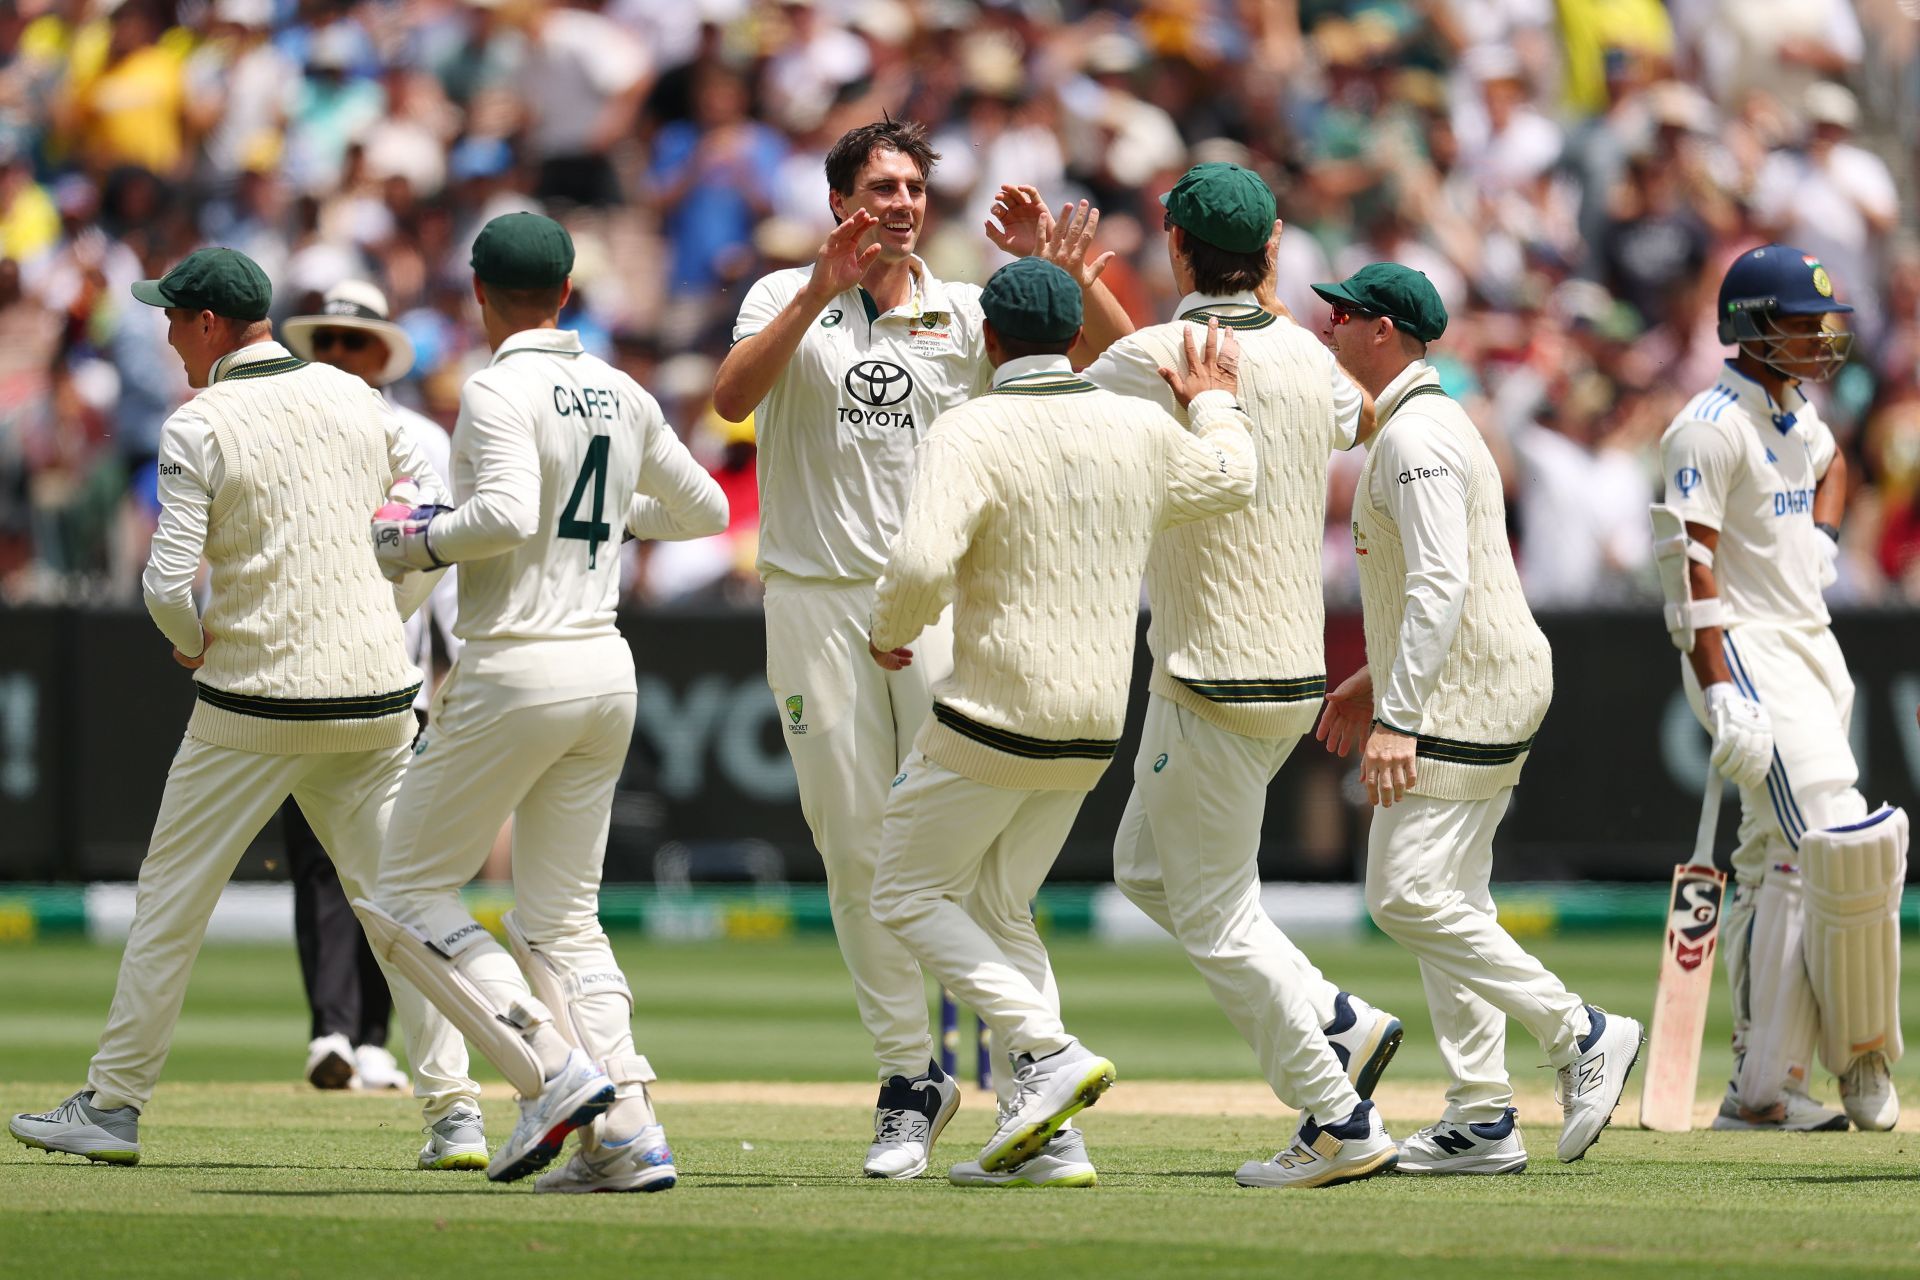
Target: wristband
[1831,530]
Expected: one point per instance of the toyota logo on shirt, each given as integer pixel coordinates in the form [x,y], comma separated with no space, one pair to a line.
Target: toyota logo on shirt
[878,383]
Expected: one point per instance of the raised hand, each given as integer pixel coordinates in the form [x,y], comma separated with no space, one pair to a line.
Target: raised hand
[1067,242]
[842,261]
[1217,368]
[1022,220]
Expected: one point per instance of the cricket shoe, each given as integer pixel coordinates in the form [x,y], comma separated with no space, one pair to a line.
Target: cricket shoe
[330,1062]
[574,1095]
[640,1162]
[1048,1092]
[1795,1112]
[78,1128]
[1061,1163]
[375,1068]
[1591,1085]
[1447,1147]
[1364,1039]
[908,1120]
[457,1140]
[1866,1091]
[1327,1155]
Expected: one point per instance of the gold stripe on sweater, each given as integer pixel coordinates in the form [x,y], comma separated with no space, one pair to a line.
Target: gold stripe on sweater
[1297,689]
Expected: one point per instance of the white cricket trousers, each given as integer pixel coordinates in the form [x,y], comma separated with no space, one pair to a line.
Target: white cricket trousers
[1428,866]
[849,724]
[215,802]
[553,767]
[960,862]
[1188,855]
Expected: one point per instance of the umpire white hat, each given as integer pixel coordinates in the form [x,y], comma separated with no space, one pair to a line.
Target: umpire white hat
[354,305]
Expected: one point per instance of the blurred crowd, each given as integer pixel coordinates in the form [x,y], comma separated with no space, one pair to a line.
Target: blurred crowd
[1574,175]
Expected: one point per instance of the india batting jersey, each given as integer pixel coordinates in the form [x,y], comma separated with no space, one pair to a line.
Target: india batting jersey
[838,432]
[1738,462]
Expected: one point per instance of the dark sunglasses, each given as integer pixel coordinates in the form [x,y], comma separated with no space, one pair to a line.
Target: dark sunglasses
[348,339]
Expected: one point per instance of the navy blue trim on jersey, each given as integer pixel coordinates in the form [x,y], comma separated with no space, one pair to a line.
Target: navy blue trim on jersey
[1786,810]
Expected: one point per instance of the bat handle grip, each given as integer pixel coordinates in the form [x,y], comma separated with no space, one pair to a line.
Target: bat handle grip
[1709,818]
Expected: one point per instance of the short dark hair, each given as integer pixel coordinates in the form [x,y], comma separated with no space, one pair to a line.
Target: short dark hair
[1218,271]
[542,301]
[1016,349]
[856,146]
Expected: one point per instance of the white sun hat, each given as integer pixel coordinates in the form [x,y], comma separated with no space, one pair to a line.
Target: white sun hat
[354,304]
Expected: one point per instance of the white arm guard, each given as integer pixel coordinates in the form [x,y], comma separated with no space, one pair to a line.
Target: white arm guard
[1672,550]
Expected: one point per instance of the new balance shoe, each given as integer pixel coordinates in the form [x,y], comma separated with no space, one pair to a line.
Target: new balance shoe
[1327,1155]
[1061,1163]
[1591,1085]
[375,1068]
[330,1062]
[640,1162]
[78,1128]
[1489,1148]
[1866,1091]
[1364,1039]
[1047,1092]
[574,1095]
[907,1121]
[1795,1112]
[457,1140]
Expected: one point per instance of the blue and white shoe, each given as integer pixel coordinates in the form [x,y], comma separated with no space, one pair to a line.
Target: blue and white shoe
[1364,1039]
[640,1162]
[1048,1092]
[1062,1162]
[575,1094]
[1327,1155]
[78,1128]
[908,1120]
[1591,1085]
[1491,1148]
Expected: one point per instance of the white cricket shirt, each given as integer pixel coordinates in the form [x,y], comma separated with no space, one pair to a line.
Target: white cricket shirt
[1738,462]
[839,431]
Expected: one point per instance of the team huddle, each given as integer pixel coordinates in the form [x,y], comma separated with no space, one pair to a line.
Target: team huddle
[962,490]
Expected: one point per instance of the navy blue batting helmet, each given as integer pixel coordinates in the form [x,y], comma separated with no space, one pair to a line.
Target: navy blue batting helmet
[1777,280]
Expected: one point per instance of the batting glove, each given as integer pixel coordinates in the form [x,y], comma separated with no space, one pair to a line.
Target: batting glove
[1829,546]
[402,544]
[1742,735]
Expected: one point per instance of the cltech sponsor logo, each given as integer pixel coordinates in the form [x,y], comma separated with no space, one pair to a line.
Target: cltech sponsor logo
[1422,473]
[879,385]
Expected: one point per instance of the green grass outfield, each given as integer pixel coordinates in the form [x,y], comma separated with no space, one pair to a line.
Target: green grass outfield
[249,1173]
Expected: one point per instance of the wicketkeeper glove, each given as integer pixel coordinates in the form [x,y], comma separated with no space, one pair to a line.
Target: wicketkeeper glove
[1742,735]
[404,543]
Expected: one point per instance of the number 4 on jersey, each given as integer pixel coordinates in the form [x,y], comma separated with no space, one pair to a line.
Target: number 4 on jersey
[596,530]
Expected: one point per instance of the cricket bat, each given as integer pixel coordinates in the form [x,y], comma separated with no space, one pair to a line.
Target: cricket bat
[1686,978]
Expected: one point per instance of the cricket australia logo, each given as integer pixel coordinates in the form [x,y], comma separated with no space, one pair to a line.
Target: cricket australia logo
[878,385]
[796,713]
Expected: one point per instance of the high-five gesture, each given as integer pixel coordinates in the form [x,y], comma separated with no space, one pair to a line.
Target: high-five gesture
[1067,242]
[1217,368]
[842,261]
[1020,220]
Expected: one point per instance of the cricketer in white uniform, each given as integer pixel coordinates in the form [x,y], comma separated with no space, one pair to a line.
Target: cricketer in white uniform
[1240,668]
[301,677]
[554,451]
[844,366]
[1746,541]
[1032,515]
[1457,681]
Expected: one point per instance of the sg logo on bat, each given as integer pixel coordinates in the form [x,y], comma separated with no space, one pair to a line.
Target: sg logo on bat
[1692,918]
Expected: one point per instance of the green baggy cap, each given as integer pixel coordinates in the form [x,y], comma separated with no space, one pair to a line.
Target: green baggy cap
[523,251]
[1031,300]
[1401,294]
[223,281]
[1225,205]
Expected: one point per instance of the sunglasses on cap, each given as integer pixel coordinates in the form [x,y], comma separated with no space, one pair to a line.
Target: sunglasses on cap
[1343,314]
[346,339]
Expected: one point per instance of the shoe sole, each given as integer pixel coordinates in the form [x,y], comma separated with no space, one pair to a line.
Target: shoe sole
[105,1156]
[469,1160]
[1088,1179]
[934,1131]
[1607,1119]
[1025,1143]
[1379,1056]
[1382,1163]
[331,1072]
[659,1178]
[1727,1124]
[1504,1169]
[541,1153]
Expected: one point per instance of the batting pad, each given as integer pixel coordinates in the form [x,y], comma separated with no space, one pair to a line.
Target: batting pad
[1854,876]
[436,973]
[592,1006]
[1780,1000]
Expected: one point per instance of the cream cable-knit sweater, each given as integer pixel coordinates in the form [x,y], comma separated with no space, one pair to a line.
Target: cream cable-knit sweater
[1478,715]
[1033,513]
[1239,621]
